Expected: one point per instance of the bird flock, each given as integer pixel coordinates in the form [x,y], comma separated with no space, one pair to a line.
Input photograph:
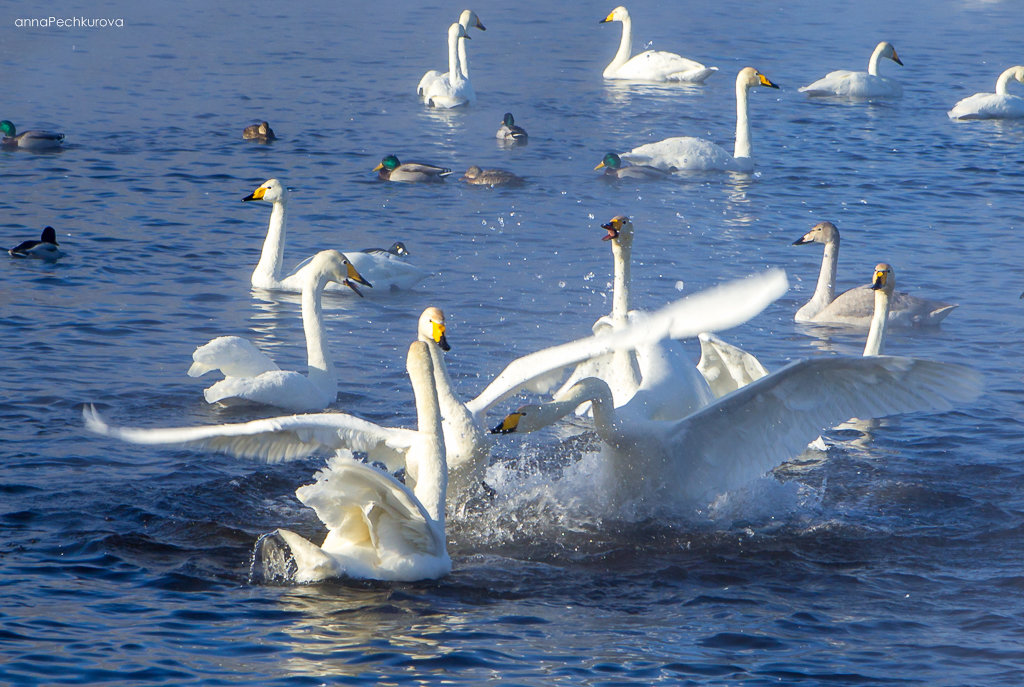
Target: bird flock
[672,432]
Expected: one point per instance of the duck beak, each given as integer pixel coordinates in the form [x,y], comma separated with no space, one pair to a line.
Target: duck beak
[439,337]
[256,195]
[600,165]
[508,425]
[379,167]
[613,231]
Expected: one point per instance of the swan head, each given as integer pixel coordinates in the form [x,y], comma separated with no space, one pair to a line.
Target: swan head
[469,19]
[335,267]
[620,13]
[611,161]
[884,279]
[886,50]
[390,163]
[272,191]
[822,232]
[620,230]
[750,77]
[431,328]
[456,31]
[7,127]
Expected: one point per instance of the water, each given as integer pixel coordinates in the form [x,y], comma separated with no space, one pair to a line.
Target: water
[892,558]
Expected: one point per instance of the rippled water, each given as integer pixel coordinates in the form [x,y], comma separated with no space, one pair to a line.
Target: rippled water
[893,558]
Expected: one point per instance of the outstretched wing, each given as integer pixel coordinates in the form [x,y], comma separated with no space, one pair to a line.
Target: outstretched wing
[726,367]
[233,356]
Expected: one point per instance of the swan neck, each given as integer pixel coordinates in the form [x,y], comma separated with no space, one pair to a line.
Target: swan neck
[318,358]
[875,57]
[463,60]
[602,406]
[622,255]
[876,335]
[453,60]
[743,147]
[431,470]
[825,290]
[451,406]
[625,48]
[1003,82]
[272,258]
[590,389]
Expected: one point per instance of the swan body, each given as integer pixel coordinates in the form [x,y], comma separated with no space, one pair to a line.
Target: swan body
[251,376]
[650,65]
[491,177]
[686,153]
[261,133]
[391,169]
[857,306]
[468,19]
[46,248]
[999,105]
[33,139]
[378,528]
[855,84]
[613,166]
[510,131]
[382,271]
[456,89]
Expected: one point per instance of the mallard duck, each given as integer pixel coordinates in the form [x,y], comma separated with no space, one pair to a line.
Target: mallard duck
[259,132]
[510,131]
[491,177]
[390,169]
[613,167]
[33,139]
[45,248]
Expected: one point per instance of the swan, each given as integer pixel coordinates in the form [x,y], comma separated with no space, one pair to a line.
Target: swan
[613,167]
[391,169]
[249,375]
[467,19]
[456,89]
[46,248]
[856,306]
[382,271]
[688,153]
[999,105]
[33,139]
[491,177]
[742,435]
[378,528]
[860,84]
[510,131]
[726,367]
[259,132]
[650,65]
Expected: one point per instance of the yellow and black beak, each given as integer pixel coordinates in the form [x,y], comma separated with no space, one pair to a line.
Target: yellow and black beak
[508,425]
[878,282]
[765,81]
[802,240]
[608,18]
[613,230]
[896,58]
[439,337]
[600,165]
[256,195]
[355,278]
[480,24]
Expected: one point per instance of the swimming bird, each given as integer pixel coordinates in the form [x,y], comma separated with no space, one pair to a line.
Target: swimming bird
[999,105]
[689,153]
[853,84]
[456,89]
[33,139]
[613,167]
[856,306]
[378,528]
[259,132]
[382,271]
[395,251]
[390,169]
[650,65]
[468,19]
[510,131]
[251,376]
[491,177]
[46,248]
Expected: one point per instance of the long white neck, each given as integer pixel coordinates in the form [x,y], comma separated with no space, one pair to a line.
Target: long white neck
[876,335]
[590,389]
[743,148]
[825,291]
[1003,82]
[463,59]
[321,369]
[625,48]
[268,269]
[453,59]
[875,57]
[431,469]
[622,360]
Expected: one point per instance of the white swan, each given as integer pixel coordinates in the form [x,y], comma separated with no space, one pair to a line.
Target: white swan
[650,65]
[726,367]
[867,84]
[856,306]
[467,19]
[743,435]
[688,153]
[46,248]
[381,271]
[252,376]
[999,105]
[378,528]
[456,89]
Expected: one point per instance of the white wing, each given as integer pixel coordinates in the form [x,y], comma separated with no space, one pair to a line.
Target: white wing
[275,439]
[726,367]
[756,428]
[233,356]
[719,308]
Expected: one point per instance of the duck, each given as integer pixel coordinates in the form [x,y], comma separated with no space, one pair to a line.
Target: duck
[378,527]
[613,166]
[46,248]
[491,177]
[853,84]
[384,272]
[261,133]
[454,88]
[999,105]
[511,132]
[251,376]
[33,139]
[650,65]
[391,169]
[468,19]
[395,251]
[856,307]
[686,153]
